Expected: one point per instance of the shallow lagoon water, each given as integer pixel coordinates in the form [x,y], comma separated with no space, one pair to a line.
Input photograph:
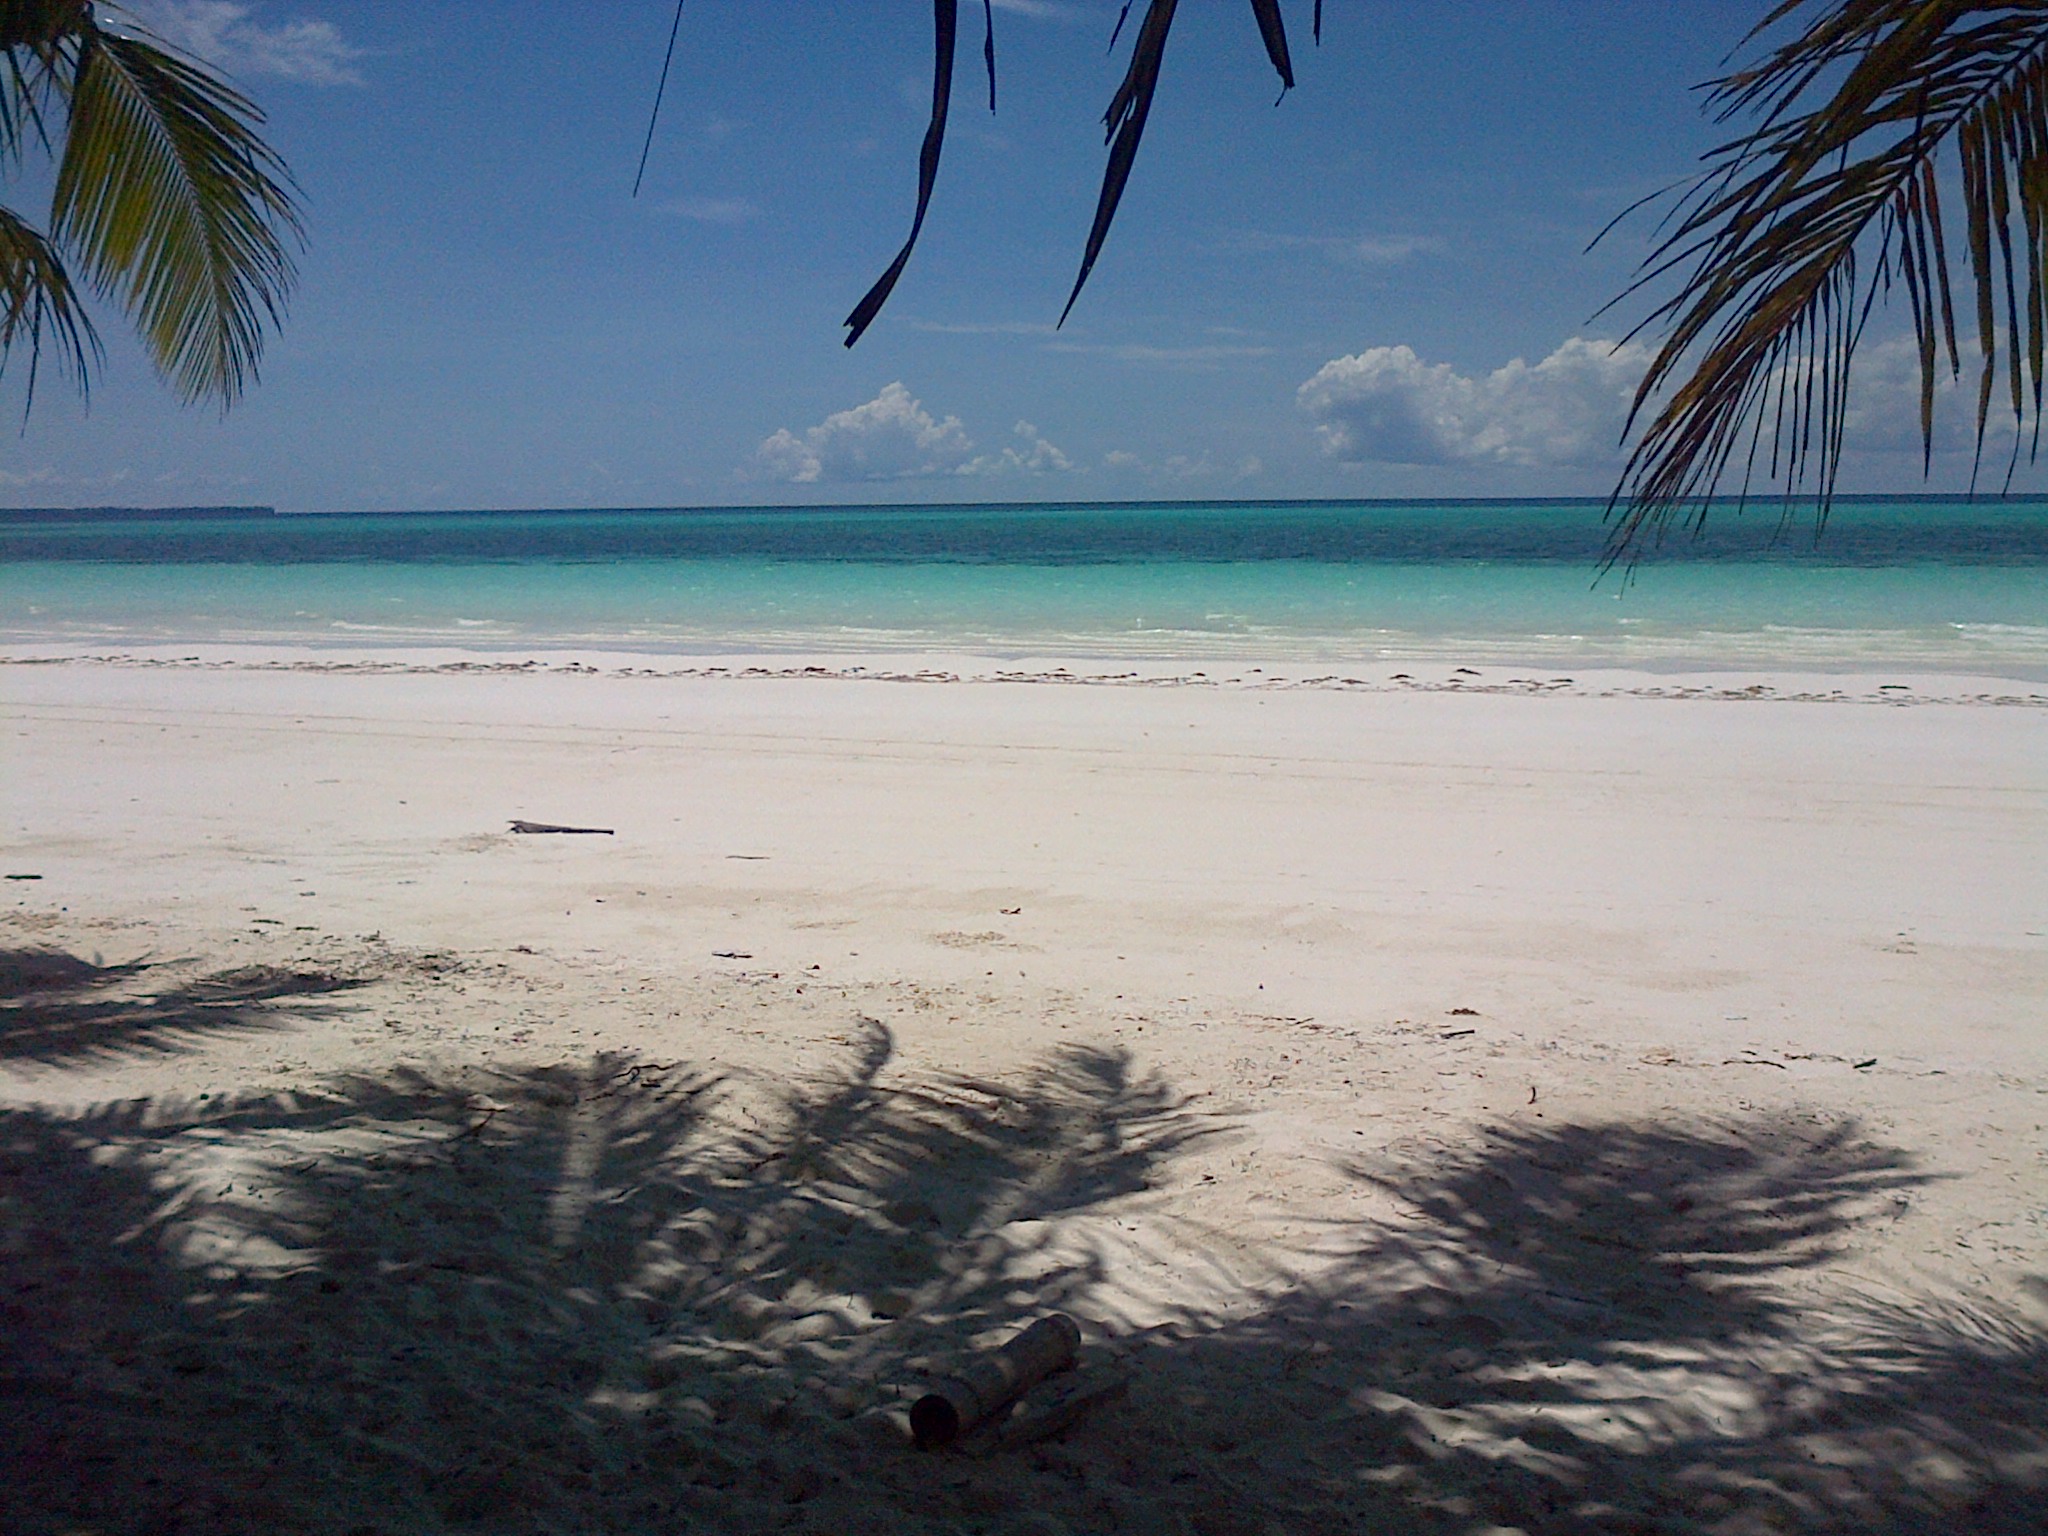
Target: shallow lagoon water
[1930,583]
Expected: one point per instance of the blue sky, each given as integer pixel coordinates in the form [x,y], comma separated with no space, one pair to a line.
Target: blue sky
[1378,287]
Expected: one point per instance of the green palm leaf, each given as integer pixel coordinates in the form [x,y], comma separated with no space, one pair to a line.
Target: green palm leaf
[175,208]
[1801,226]
[37,299]
[166,200]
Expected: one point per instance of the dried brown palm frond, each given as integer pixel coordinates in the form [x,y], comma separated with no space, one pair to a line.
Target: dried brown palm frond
[166,200]
[1864,123]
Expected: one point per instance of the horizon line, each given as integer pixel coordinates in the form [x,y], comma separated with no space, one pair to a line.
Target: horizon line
[258,510]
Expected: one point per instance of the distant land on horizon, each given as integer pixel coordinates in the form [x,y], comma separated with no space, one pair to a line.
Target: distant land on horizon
[198,513]
[124,514]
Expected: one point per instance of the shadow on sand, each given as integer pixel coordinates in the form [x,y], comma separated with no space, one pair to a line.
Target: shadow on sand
[59,1010]
[619,1296]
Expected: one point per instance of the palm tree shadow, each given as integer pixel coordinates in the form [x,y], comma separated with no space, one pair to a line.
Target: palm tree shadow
[37,970]
[577,1297]
[1621,1327]
[59,1010]
[628,1295]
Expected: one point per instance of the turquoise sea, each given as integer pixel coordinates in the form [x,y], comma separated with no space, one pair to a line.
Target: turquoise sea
[1933,583]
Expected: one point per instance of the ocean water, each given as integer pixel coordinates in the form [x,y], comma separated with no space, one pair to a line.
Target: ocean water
[1931,583]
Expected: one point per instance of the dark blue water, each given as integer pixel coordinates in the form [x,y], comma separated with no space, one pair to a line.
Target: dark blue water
[1872,533]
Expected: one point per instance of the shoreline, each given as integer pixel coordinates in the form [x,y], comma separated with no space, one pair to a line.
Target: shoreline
[1786,682]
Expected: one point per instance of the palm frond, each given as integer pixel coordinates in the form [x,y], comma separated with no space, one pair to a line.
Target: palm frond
[1273,33]
[39,302]
[988,47]
[1799,227]
[668,57]
[945,27]
[1124,122]
[175,208]
[36,24]
[27,81]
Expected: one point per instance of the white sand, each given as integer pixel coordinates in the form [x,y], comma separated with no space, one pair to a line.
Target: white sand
[1462,1101]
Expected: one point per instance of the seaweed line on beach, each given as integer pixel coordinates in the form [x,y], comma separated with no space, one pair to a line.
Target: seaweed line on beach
[1891,695]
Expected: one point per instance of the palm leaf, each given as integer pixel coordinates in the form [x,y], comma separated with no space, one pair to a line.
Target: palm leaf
[37,299]
[1799,227]
[27,77]
[660,89]
[988,47]
[175,209]
[1125,126]
[945,27]
[35,25]
[1124,122]
[1273,33]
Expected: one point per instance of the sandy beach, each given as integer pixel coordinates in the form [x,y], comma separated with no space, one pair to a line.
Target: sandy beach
[1450,1100]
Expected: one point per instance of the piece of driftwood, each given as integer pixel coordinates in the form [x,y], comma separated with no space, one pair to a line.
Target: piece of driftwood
[544,826]
[1059,1405]
[986,1382]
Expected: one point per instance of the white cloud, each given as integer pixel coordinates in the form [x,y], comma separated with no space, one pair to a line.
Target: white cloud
[1883,413]
[1031,454]
[1181,466]
[46,475]
[1385,250]
[1141,352]
[102,485]
[226,34]
[1385,405]
[893,437]
[713,210]
[1039,10]
[1362,250]
[980,328]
